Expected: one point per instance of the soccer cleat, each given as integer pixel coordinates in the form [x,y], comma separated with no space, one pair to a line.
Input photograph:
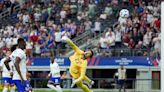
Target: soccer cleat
[91,83]
[72,85]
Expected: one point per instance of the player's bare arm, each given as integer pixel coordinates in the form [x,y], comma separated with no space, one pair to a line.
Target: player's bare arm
[71,44]
[6,62]
[18,68]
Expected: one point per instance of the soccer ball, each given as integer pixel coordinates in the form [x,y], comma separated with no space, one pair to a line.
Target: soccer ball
[124,13]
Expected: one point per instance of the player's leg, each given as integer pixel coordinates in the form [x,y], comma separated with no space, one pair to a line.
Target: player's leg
[59,88]
[74,76]
[91,82]
[6,84]
[12,88]
[54,83]
[82,86]
[19,85]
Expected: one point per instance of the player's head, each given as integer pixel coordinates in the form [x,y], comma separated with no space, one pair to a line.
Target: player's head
[122,67]
[88,54]
[13,47]
[21,43]
[52,58]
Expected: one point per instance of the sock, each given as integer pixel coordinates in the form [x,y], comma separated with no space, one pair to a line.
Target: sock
[59,88]
[52,87]
[5,89]
[12,89]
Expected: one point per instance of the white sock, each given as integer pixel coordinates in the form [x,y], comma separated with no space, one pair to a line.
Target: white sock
[12,89]
[52,87]
[59,88]
[5,89]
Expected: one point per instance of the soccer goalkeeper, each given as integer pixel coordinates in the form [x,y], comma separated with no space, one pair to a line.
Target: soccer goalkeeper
[78,65]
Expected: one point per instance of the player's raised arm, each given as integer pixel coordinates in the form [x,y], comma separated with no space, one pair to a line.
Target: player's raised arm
[70,42]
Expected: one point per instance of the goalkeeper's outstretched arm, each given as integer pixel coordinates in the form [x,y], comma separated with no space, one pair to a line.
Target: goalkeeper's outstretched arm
[71,44]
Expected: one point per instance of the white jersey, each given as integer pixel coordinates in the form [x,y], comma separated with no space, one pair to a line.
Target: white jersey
[21,54]
[55,70]
[5,72]
[122,73]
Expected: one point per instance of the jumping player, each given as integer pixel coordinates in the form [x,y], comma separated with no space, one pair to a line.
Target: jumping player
[79,65]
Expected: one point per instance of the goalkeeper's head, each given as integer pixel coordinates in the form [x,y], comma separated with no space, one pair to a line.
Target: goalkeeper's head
[88,54]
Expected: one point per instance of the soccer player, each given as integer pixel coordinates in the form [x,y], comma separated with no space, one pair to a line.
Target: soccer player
[54,75]
[79,65]
[6,74]
[18,56]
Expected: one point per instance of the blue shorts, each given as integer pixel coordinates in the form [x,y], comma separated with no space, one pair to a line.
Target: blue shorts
[20,87]
[7,80]
[28,87]
[121,82]
[54,80]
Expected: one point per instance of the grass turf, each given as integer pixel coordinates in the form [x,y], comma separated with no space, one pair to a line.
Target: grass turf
[70,90]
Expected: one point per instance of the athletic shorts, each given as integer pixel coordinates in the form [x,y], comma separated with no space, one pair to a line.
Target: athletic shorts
[20,87]
[55,80]
[7,80]
[121,82]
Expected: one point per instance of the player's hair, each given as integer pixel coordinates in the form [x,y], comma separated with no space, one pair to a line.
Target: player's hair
[20,40]
[13,47]
[91,53]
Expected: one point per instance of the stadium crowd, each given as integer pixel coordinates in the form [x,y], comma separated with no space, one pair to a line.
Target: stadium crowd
[140,32]
[43,22]
[5,4]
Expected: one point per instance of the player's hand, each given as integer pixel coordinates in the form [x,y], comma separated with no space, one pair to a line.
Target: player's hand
[64,39]
[11,74]
[22,80]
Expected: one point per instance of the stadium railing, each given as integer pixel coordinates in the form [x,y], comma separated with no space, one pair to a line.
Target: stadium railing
[114,51]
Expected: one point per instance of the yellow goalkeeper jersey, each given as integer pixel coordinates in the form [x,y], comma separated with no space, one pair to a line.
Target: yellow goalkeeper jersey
[78,65]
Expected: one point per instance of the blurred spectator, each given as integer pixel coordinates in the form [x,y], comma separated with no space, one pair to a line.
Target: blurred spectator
[118,36]
[91,10]
[110,35]
[157,43]
[97,26]
[25,18]
[131,44]
[103,44]
[37,16]
[37,49]
[63,13]
[108,10]
[58,36]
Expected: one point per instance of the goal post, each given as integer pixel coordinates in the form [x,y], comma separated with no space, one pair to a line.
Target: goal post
[162,46]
